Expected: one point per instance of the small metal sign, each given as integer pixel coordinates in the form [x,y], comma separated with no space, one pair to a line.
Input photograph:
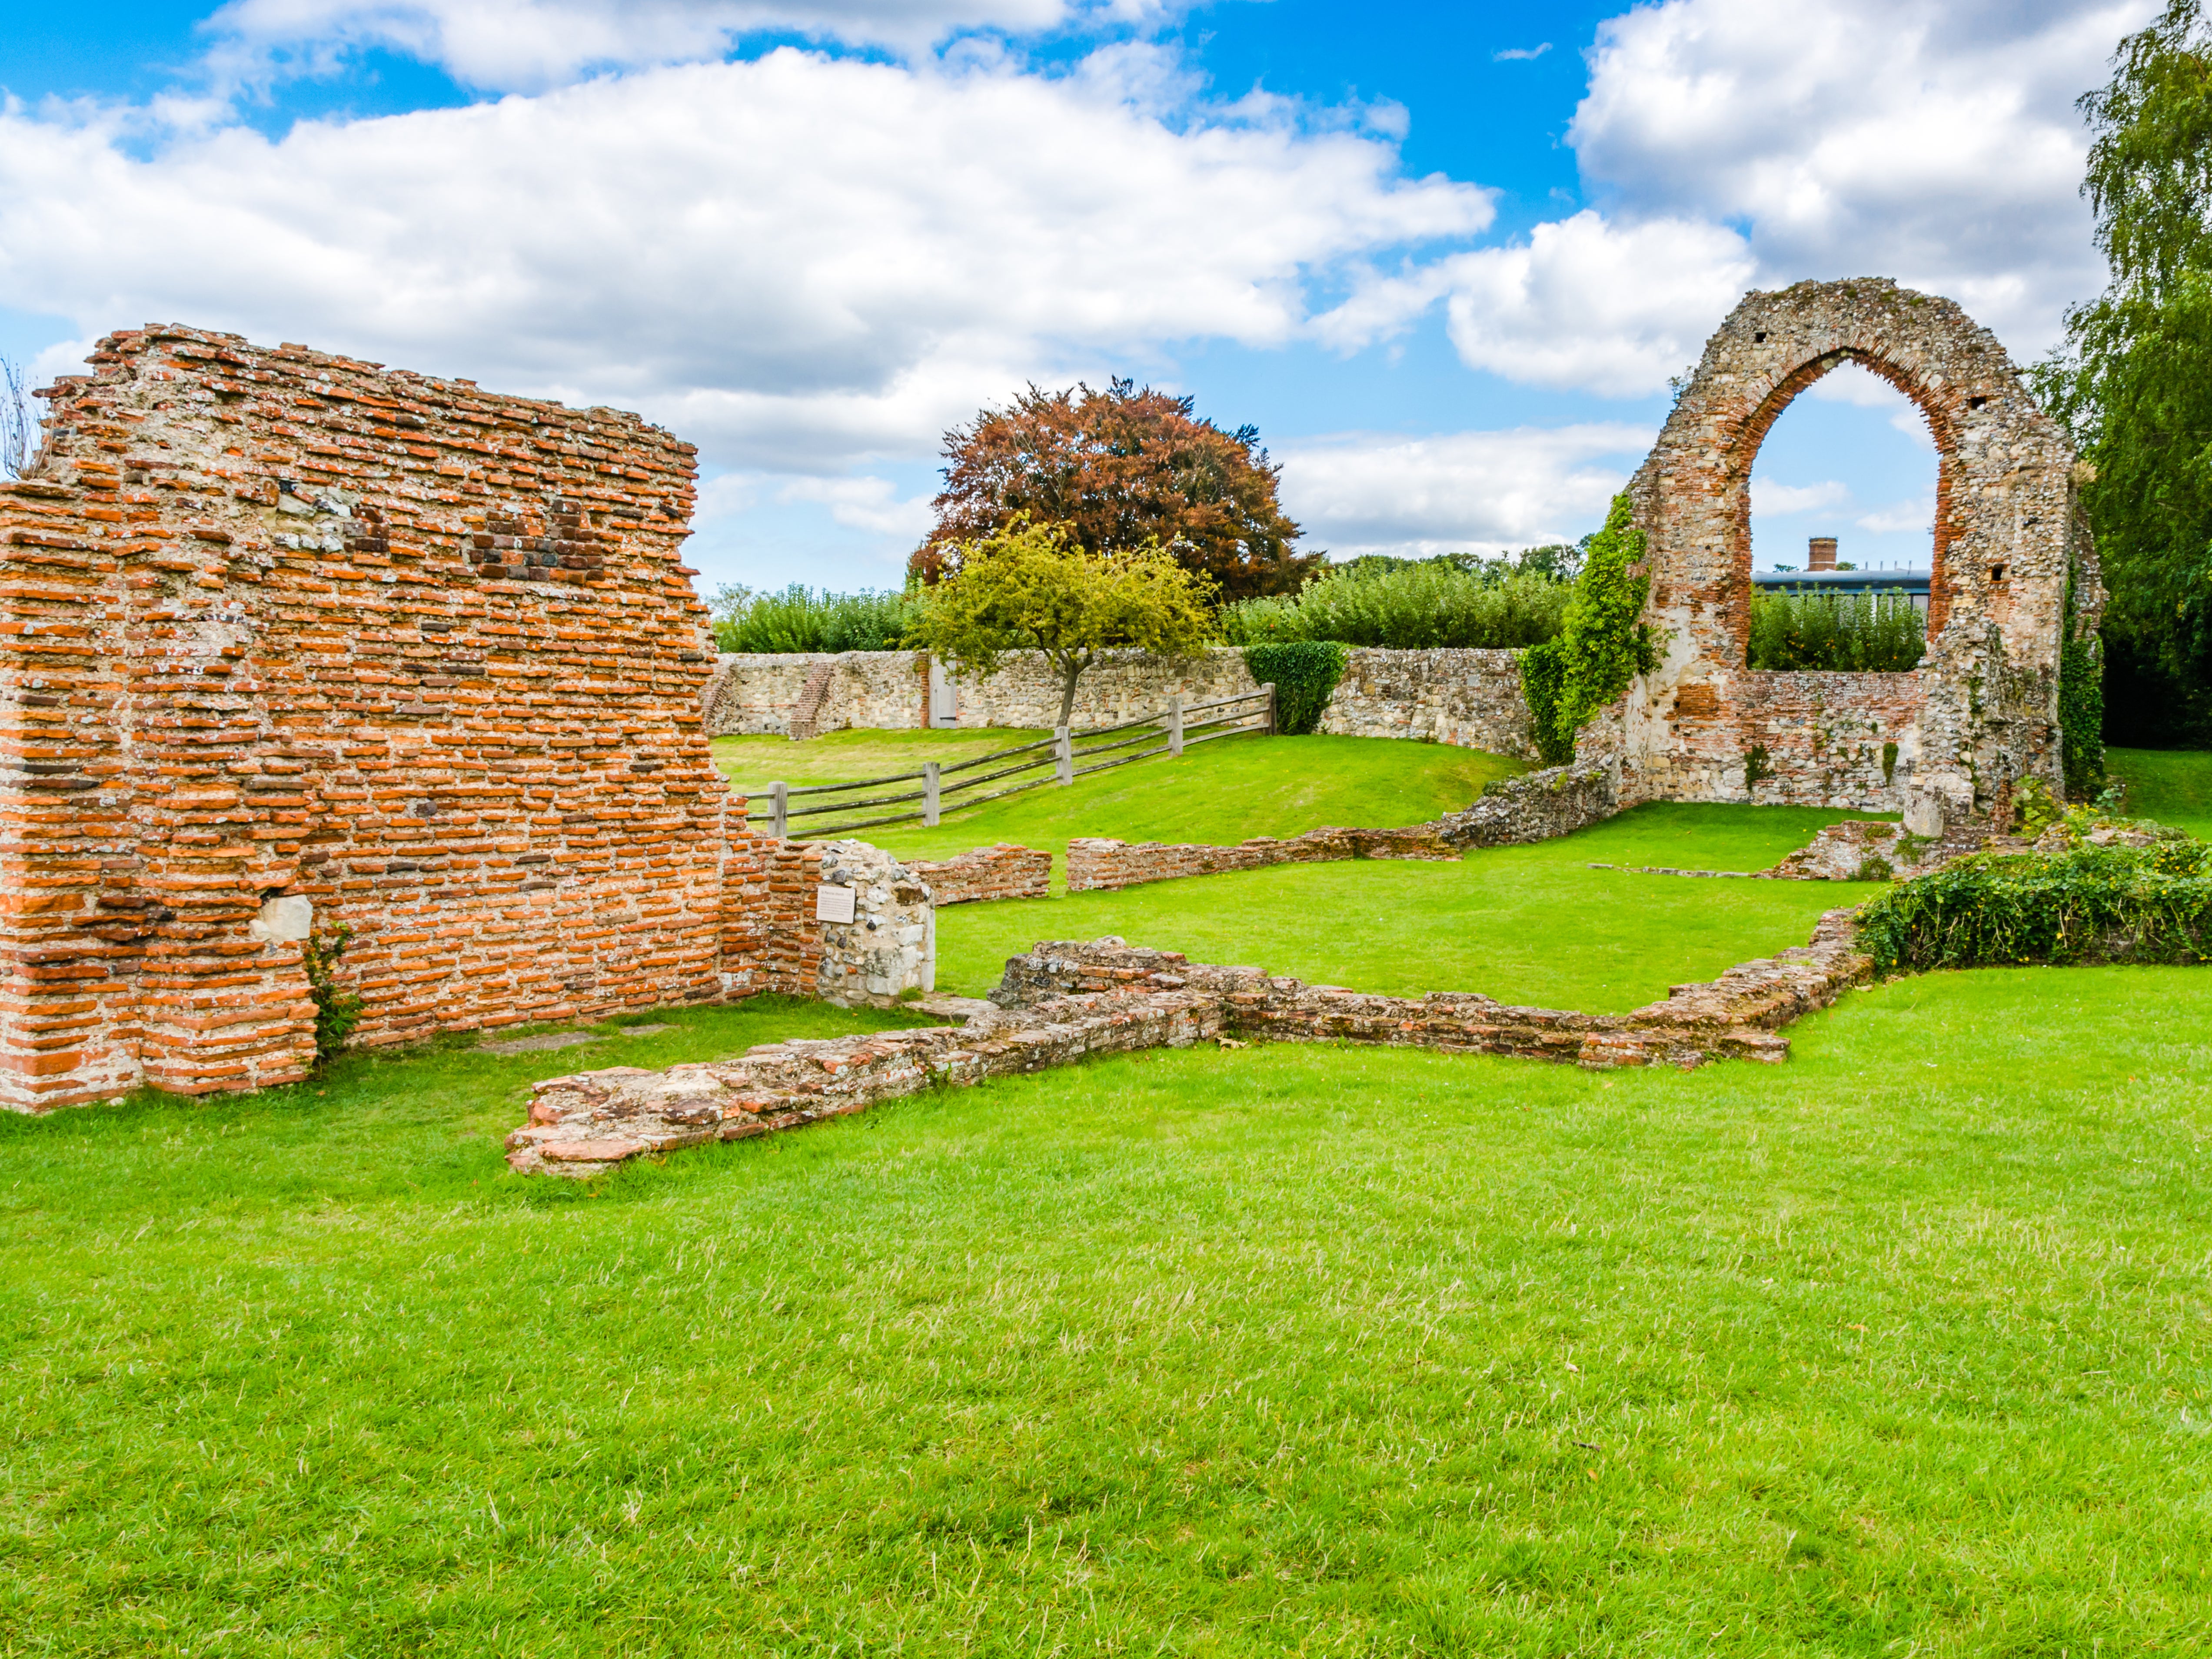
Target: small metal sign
[833,903]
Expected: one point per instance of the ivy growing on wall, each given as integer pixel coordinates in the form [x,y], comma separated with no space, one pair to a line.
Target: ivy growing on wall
[2080,706]
[1303,673]
[1543,670]
[1602,646]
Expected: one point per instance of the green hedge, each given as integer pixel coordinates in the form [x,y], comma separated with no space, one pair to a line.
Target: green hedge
[2088,903]
[1835,633]
[1303,672]
[1413,607]
[799,620]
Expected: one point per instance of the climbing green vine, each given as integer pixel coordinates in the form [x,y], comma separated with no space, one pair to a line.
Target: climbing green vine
[1603,644]
[2080,706]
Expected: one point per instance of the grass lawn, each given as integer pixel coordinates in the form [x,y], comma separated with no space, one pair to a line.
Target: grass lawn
[2173,786]
[1900,1348]
[1223,791]
[1524,924]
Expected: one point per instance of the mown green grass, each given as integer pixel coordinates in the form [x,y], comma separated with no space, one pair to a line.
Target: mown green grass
[2174,787]
[1899,1348]
[1225,791]
[1530,925]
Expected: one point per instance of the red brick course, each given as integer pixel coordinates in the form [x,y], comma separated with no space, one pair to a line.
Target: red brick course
[1094,863]
[1002,872]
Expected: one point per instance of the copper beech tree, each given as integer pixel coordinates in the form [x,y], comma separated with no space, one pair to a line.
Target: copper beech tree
[1121,468]
[1029,587]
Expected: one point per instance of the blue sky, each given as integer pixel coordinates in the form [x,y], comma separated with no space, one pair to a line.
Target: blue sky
[1444,257]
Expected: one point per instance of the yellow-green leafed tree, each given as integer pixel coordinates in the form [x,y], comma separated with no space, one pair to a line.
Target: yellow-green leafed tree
[1029,587]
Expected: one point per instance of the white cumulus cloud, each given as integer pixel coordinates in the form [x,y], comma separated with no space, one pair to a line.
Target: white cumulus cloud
[1767,496]
[1936,144]
[801,262]
[530,45]
[1487,492]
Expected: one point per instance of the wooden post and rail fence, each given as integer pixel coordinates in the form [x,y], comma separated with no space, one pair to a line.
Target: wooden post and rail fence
[1179,725]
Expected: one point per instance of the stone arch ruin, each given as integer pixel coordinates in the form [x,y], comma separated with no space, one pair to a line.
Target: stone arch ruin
[2015,568]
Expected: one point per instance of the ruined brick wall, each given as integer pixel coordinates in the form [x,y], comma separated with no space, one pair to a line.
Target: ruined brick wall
[985,874]
[770,940]
[281,624]
[1095,863]
[1944,742]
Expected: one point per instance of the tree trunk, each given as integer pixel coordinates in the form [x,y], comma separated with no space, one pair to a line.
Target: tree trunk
[1067,678]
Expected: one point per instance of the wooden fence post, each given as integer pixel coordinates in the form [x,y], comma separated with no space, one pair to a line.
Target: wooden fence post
[1063,755]
[1271,707]
[929,794]
[779,797]
[1175,725]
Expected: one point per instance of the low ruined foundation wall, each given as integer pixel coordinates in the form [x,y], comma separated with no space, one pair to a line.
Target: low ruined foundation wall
[1094,864]
[1063,1002]
[1004,871]
[1536,806]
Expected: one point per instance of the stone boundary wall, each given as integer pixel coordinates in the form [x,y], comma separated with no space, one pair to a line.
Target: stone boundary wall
[888,691]
[282,625]
[1063,1001]
[760,694]
[1469,698]
[1094,864]
[1004,871]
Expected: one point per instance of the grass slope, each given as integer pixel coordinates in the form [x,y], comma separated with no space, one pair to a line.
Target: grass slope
[1223,790]
[1532,924]
[1901,1347]
[2174,787]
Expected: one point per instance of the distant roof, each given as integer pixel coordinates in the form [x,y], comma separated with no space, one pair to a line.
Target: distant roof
[1857,581]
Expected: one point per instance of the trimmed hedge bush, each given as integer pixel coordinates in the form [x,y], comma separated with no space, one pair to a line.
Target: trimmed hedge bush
[1303,672]
[799,620]
[1413,607]
[1836,633]
[2088,903]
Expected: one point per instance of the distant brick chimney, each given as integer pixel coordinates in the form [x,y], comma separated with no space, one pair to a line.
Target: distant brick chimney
[1822,549]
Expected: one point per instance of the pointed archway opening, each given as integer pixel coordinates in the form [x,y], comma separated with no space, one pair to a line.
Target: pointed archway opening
[1841,513]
